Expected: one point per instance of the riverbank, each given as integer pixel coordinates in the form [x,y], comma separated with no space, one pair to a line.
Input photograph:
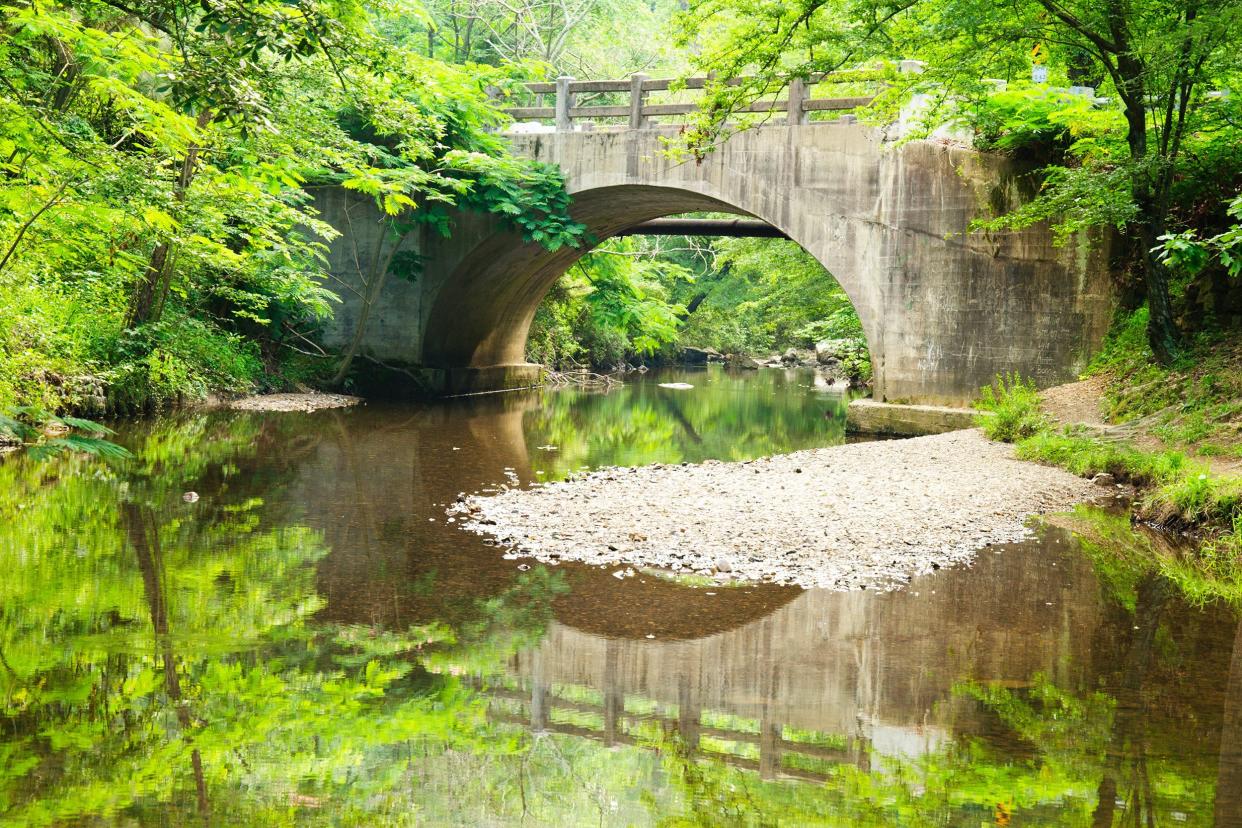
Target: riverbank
[1175,433]
[301,402]
[862,515]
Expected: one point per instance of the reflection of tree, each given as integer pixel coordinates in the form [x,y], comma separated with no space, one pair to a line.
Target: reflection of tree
[1128,745]
[1228,805]
[725,416]
[157,657]
[144,536]
[160,656]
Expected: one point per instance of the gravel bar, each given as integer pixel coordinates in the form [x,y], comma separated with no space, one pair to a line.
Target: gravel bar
[863,515]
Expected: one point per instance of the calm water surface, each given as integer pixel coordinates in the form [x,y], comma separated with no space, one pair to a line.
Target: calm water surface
[311,642]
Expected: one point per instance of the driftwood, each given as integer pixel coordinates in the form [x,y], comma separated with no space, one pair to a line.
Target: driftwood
[581,377]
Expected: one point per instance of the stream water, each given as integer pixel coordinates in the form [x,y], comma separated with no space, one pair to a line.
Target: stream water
[309,641]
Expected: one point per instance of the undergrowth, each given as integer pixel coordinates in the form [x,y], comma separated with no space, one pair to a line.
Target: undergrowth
[59,346]
[1194,404]
[1178,492]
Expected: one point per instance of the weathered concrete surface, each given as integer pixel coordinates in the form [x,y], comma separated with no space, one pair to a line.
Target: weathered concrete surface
[866,416]
[944,309]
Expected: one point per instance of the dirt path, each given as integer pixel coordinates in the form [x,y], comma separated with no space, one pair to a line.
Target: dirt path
[1077,402]
[1082,403]
[857,515]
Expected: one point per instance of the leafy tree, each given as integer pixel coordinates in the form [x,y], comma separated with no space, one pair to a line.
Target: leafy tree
[155,162]
[612,304]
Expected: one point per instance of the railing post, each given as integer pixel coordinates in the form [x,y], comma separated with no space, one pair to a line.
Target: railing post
[564,100]
[795,114]
[637,98]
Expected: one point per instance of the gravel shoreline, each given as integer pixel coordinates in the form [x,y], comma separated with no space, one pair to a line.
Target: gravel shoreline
[304,402]
[862,515]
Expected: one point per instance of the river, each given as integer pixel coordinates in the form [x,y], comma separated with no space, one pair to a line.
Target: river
[268,619]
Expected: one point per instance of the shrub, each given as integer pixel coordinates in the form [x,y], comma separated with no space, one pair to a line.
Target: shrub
[179,359]
[1013,406]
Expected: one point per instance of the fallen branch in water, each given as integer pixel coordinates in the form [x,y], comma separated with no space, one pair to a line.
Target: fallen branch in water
[582,378]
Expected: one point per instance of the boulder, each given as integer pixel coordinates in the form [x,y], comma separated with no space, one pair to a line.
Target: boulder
[798,356]
[700,356]
[832,350]
[741,361]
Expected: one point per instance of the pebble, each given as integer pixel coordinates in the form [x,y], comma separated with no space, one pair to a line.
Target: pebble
[855,516]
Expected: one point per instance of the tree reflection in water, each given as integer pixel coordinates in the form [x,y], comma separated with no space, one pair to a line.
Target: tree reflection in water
[305,646]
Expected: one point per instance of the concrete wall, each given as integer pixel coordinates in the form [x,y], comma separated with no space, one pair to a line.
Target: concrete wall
[944,309]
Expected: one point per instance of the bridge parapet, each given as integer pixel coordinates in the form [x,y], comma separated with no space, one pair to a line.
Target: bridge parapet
[632,103]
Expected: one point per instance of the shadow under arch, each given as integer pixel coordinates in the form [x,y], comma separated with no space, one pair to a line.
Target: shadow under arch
[481,315]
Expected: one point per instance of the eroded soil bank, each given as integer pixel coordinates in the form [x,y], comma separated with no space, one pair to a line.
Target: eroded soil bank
[844,517]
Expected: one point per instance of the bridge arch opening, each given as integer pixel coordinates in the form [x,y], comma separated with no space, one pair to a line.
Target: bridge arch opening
[479,322]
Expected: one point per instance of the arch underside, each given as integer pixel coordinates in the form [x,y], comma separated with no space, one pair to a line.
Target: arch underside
[482,315]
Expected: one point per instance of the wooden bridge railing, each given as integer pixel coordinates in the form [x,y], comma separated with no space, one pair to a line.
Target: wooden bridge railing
[797,104]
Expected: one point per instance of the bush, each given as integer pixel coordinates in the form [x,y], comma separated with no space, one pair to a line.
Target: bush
[1196,497]
[1013,406]
[176,360]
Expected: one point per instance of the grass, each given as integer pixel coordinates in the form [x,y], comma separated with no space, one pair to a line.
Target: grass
[1177,491]
[1195,404]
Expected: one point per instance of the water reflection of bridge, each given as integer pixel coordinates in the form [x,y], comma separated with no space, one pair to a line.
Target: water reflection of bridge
[617,719]
[828,677]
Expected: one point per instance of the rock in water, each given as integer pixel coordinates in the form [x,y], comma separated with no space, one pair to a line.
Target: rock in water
[741,361]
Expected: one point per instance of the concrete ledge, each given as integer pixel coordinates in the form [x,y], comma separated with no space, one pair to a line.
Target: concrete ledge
[491,378]
[867,416]
[417,382]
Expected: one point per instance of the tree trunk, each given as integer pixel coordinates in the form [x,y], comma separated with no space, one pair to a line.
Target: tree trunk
[1128,741]
[1162,333]
[140,526]
[377,268]
[145,306]
[1228,805]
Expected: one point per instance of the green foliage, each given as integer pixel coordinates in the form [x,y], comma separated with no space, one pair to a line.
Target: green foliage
[44,434]
[156,227]
[1087,456]
[762,296]
[1188,252]
[1195,404]
[179,359]
[1013,410]
[1027,116]
[614,304]
[635,298]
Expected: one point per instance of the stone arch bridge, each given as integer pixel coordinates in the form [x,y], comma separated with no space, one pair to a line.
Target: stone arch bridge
[944,309]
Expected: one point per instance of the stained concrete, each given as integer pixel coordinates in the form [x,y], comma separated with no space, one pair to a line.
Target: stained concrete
[866,416]
[944,309]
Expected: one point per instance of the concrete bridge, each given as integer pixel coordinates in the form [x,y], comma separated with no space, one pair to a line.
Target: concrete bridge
[944,309]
